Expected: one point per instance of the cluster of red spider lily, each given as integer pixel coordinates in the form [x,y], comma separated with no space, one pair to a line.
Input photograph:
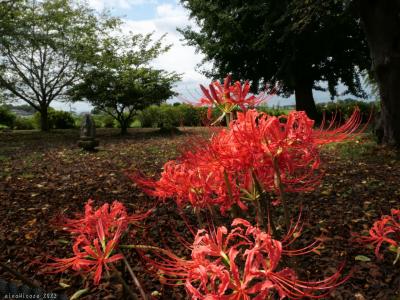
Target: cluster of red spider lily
[228,97]
[241,264]
[256,147]
[256,153]
[96,237]
[385,231]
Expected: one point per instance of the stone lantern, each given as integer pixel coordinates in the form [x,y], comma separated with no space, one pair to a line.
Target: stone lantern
[87,139]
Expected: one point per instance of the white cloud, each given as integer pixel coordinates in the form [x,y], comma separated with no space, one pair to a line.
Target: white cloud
[121,4]
[181,58]
[96,4]
[168,10]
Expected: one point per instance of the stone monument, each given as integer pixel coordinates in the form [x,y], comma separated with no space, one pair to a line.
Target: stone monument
[87,139]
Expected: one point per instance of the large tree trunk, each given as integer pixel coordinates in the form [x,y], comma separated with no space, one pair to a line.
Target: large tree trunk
[381,22]
[305,99]
[44,118]
[124,127]
[124,130]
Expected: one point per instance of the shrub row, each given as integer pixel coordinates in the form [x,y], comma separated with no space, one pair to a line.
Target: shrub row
[187,115]
[342,109]
[57,120]
[168,116]
[7,118]
[10,120]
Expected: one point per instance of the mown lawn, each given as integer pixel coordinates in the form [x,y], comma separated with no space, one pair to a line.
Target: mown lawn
[45,174]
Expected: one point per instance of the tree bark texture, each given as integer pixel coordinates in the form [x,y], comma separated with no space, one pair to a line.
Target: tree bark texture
[44,119]
[381,23]
[124,129]
[305,99]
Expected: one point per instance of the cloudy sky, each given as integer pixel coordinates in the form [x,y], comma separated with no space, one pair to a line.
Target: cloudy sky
[160,17]
[164,17]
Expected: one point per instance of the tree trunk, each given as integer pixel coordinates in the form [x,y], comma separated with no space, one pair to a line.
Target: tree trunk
[381,22]
[124,127]
[305,99]
[44,119]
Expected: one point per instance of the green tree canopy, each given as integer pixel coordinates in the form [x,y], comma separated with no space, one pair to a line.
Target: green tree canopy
[121,81]
[260,40]
[9,9]
[380,22]
[46,50]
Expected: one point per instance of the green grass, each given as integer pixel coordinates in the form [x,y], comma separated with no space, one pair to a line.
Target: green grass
[353,149]
[3,158]
[153,149]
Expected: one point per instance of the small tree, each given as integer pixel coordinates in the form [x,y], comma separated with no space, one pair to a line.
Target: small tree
[121,82]
[44,49]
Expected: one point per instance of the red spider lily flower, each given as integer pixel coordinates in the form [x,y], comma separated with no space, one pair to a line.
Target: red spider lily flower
[220,171]
[76,262]
[91,256]
[101,256]
[199,177]
[386,230]
[200,186]
[227,97]
[213,278]
[243,263]
[216,244]
[110,216]
[342,133]
[97,234]
[262,139]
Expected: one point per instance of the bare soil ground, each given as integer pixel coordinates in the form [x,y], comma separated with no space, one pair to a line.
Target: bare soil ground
[44,174]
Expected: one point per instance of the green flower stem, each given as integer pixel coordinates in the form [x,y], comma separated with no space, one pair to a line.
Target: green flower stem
[263,200]
[281,192]
[260,214]
[228,119]
[198,216]
[234,208]
[135,279]
[225,259]
[260,211]
[214,214]
[142,247]
[126,286]
[235,211]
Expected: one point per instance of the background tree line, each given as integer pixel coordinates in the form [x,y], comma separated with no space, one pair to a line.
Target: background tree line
[62,50]
[167,116]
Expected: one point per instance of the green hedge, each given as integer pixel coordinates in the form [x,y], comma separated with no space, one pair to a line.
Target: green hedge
[24,123]
[58,119]
[102,121]
[273,111]
[341,110]
[168,116]
[7,118]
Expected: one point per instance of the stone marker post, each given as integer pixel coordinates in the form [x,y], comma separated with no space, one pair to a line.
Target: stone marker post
[87,139]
